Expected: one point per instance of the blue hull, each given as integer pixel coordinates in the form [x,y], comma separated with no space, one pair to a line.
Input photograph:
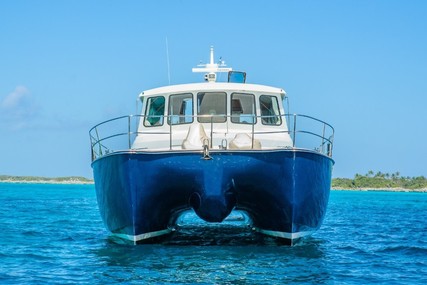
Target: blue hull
[284,192]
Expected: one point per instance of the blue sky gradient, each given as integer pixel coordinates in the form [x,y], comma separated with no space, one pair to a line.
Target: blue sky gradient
[67,65]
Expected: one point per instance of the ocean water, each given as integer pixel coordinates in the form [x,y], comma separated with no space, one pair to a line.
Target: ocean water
[52,234]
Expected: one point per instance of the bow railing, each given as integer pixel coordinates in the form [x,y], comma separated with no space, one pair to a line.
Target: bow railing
[118,134]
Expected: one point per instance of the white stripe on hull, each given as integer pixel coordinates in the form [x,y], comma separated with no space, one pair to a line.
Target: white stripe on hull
[286,235]
[143,236]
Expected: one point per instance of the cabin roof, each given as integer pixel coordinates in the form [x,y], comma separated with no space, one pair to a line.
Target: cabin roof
[209,86]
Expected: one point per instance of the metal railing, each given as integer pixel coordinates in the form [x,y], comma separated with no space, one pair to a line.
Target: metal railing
[305,132]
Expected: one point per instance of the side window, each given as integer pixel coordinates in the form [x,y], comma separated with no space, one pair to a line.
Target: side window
[180,109]
[211,106]
[243,108]
[155,111]
[270,114]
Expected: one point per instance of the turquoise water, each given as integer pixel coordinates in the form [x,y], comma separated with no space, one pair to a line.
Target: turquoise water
[52,234]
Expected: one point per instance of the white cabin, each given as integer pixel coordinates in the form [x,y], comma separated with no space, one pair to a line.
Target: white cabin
[221,115]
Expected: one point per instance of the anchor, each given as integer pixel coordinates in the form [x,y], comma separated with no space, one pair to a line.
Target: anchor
[206,155]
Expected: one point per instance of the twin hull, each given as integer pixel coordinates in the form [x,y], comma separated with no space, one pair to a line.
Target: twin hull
[284,192]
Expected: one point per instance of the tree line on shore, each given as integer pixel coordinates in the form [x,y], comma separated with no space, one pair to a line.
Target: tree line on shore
[380,180]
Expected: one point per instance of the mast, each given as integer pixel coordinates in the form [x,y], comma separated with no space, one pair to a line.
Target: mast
[210,69]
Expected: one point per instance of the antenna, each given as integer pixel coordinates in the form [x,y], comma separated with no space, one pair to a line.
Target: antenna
[167,57]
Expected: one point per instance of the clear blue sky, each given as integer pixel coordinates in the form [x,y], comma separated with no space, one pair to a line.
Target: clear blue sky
[67,65]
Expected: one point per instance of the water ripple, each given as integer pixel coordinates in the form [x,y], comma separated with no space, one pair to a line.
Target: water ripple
[55,236]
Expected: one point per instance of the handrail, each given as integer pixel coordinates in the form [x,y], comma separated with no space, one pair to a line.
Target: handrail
[101,134]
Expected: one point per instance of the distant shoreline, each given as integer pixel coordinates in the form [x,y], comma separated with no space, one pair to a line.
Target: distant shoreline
[44,180]
[382,181]
[85,181]
[47,182]
[76,180]
[422,190]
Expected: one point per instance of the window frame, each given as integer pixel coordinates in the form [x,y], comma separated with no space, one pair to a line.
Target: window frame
[277,117]
[254,114]
[169,119]
[218,116]
[147,123]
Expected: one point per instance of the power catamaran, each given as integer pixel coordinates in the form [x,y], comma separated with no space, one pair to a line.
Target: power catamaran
[213,147]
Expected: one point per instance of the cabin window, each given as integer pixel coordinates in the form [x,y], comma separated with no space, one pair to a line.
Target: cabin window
[243,108]
[155,111]
[180,109]
[270,112]
[211,106]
